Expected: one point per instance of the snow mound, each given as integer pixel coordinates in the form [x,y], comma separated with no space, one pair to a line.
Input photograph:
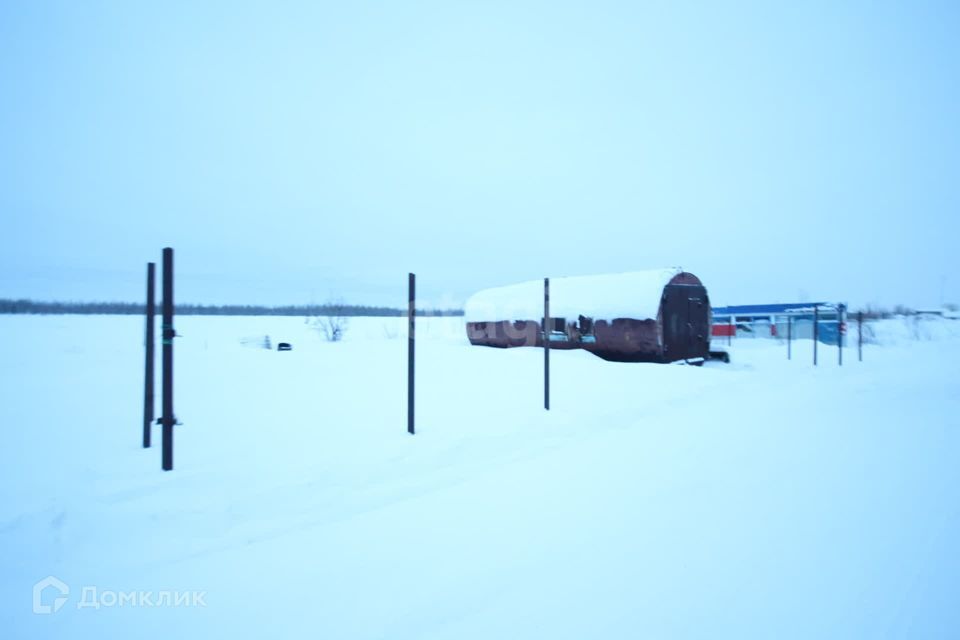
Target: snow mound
[634,294]
[907,329]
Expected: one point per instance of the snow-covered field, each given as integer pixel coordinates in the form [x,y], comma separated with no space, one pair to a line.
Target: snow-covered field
[764,498]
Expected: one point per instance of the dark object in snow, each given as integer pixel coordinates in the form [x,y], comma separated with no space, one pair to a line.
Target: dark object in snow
[284,346]
[660,317]
[721,355]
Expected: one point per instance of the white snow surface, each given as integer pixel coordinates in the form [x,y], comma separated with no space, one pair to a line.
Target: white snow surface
[762,499]
[634,294]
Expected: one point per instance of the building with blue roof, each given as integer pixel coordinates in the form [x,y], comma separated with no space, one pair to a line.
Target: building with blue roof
[776,320]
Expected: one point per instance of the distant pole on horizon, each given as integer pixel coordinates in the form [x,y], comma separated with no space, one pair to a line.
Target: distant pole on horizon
[731,331]
[860,335]
[841,329]
[149,355]
[789,337]
[816,331]
[411,351]
[546,343]
[167,420]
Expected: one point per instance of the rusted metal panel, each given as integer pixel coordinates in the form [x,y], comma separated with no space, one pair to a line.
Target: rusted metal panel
[627,340]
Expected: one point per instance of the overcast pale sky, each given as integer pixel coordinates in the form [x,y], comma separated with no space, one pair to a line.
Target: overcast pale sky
[294,151]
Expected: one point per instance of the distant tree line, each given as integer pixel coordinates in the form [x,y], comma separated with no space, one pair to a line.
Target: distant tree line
[135,308]
[873,312]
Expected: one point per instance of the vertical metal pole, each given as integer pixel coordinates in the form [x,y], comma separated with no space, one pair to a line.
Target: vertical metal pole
[149,345]
[816,332]
[789,337]
[733,329]
[860,335]
[411,339]
[840,323]
[167,419]
[546,343]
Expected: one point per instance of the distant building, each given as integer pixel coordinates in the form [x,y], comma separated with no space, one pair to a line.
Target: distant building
[942,312]
[771,321]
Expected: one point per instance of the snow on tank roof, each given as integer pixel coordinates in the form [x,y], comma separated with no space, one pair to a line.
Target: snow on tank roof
[635,294]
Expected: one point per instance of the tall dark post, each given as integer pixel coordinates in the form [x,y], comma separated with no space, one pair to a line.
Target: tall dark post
[149,344]
[733,330]
[167,419]
[816,332]
[860,335]
[841,315]
[546,343]
[411,338]
[789,337]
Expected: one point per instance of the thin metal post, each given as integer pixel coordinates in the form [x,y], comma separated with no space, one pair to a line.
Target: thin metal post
[733,330]
[411,351]
[860,335]
[789,337]
[546,343]
[840,329]
[149,347]
[816,332]
[167,419]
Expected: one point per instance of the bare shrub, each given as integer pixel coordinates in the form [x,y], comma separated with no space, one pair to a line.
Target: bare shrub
[391,330]
[334,323]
